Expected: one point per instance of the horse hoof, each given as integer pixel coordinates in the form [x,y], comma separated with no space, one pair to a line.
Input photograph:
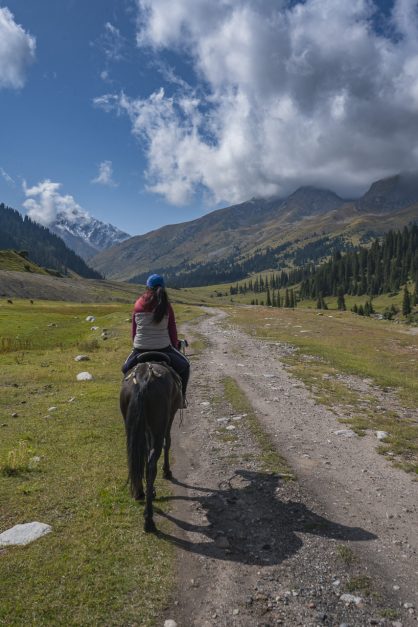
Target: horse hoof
[149,526]
[139,497]
[168,474]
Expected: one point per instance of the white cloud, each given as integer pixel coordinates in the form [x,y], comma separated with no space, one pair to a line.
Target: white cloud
[105,175]
[17,51]
[308,93]
[44,202]
[7,177]
[111,43]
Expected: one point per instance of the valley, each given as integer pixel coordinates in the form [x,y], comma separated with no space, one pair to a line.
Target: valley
[262,447]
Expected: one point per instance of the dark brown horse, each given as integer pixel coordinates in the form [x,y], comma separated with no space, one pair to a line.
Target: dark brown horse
[150,396]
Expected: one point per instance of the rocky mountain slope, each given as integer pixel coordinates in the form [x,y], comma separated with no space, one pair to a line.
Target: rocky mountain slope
[277,228]
[84,234]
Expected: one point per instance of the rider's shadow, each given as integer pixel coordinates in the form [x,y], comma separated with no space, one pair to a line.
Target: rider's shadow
[247,522]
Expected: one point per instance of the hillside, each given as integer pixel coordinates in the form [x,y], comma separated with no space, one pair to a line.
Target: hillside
[11,260]
[40,245]
[230,243]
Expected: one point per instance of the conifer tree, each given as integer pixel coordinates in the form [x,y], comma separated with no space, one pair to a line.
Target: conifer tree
[341,300]
[286,298]
[406,302]
[268,297]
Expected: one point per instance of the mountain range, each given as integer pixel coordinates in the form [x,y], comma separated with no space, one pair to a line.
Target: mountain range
[262,234]
[84,234]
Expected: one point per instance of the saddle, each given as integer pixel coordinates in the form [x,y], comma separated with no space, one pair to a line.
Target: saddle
[154,356]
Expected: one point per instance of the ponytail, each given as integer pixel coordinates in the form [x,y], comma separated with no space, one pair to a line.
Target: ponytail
[161,308]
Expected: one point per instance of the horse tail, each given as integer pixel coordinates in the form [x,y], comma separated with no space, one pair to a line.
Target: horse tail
[135,425]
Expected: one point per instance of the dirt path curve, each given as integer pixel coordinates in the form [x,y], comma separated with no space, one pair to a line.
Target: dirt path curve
[254,549]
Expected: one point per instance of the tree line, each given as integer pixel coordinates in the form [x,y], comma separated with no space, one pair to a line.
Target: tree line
[46,249]
[382,268]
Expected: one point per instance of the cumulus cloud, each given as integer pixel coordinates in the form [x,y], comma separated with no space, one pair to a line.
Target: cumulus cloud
[44,202]
[286,94]
[105,175]
[17,51]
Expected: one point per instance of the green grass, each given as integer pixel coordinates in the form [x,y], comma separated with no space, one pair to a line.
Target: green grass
[345,554]
[97,566]
[362,584]
[338,343]
[270,459]
[10,260]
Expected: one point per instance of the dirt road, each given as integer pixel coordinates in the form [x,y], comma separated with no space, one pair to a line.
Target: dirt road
[336,547]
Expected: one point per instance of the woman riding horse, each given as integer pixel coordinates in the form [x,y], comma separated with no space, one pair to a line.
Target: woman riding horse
[153,390]
[154,329]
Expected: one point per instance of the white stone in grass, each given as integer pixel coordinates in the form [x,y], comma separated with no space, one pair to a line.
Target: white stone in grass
[205,404]
[381,435]
[52,409]
[230,428]
[94,328]
[170,623]
[84,376]
[82,358]
[347,433]
[90,319]
[24,534]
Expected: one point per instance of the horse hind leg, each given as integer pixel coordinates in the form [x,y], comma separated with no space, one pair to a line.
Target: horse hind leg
[167,474]
[149,524]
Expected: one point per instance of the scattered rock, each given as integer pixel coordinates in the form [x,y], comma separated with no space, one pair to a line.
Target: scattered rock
[90,319]
[347,433]
[170,623]
[72,399]
[350,598]
[82,358]
[408,606]
[84,376]
[235,612]
[24,534]
[52,409]
[381,435]
[15,415]
[94,328]
[34,461]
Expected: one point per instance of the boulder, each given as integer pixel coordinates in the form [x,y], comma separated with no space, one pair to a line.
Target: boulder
[84,376]
[24,534]
[82,358]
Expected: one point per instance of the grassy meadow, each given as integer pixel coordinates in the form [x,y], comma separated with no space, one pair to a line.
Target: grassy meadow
[331,344]
[62,462]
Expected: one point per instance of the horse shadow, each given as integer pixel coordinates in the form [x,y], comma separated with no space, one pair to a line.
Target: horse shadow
[247,521]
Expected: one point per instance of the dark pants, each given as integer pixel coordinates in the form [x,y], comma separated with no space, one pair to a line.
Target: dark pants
[179,362]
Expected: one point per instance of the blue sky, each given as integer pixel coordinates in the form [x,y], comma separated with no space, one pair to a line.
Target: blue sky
[148,112]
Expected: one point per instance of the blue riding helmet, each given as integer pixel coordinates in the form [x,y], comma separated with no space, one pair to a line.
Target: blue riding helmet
[155,280]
